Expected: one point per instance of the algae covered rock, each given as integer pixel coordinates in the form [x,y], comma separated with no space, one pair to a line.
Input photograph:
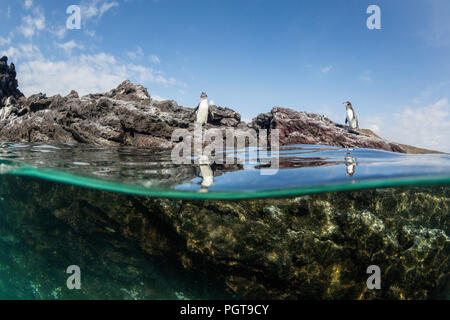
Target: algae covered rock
[310,247]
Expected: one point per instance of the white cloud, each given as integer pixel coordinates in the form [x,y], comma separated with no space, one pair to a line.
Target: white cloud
[427,127]
[5,41]
[69,46]
[28,4]
[90,33]
[86,73]
[325,70]
[138,53]
[154,59]
[107,6]
[374,123]
[22,52]
[60,32]
[96,8]
[32,24]
[157,97]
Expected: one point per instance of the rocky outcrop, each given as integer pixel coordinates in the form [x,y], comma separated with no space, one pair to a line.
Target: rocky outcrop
[8,83]
[317,246]
[224,117]
[310,128]
[127,115]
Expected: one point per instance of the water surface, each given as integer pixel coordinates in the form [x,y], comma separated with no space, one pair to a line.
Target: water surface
[303,169]
[106,210]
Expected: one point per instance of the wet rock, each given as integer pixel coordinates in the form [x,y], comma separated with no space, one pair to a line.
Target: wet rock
[310,247]
[36,247]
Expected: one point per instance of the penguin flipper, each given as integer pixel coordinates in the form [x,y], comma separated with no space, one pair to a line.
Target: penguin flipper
[195,110]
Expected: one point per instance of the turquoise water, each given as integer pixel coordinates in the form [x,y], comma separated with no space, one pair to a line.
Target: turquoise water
[46,224]
[301,169]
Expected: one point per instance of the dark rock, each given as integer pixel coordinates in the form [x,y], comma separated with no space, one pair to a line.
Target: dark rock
[309,247]
[310,128]
[128,91]
[223,117]
[128,115]
[73,94]
[8,81]
[123,116]
[35,246]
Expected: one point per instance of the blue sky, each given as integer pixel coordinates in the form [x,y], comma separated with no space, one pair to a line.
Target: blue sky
[249,55]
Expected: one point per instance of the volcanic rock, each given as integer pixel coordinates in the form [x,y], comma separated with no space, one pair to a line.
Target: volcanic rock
[310,128]
[127,115]
[8,82]
[317,246]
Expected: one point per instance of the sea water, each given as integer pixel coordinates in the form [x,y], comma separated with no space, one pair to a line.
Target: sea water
[139,226]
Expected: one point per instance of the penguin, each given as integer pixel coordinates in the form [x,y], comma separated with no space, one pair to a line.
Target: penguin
[351,116]
[207,174]
[350,164]
[202,109]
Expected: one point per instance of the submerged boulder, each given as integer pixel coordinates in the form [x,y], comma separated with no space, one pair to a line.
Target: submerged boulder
[308,247]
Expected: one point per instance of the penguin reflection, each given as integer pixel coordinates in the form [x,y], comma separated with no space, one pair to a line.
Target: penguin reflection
[350,163]
[207,173]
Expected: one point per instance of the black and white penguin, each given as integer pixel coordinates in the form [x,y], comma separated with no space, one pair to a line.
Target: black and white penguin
[351,116]
[207,173]
[202,109]
[350,164]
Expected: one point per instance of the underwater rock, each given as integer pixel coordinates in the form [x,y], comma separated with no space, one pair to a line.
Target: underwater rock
[309,247]
[36,247]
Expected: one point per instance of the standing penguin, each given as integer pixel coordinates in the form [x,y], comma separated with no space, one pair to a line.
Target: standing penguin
[351,116]
[202,109]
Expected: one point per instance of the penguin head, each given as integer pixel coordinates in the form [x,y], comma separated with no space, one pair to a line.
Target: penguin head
[203,95]
[348,104]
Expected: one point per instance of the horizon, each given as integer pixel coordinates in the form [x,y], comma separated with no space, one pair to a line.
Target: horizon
[248,56]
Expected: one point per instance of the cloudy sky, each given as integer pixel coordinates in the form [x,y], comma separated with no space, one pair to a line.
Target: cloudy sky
[248,55]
